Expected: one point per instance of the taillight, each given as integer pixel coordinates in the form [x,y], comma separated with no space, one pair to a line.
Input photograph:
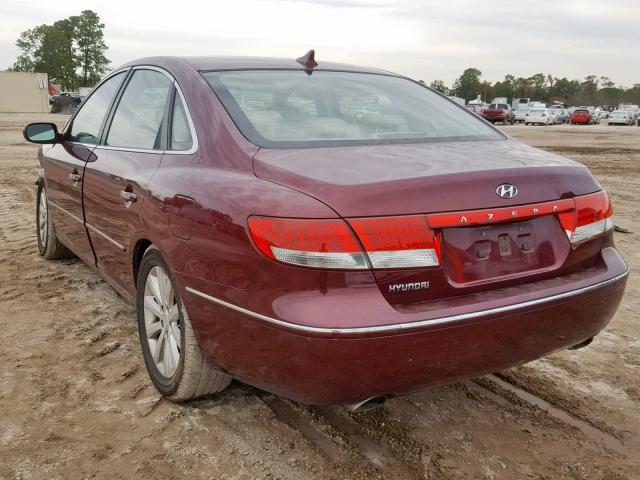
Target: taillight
[310,243]
[398,242]
[593,216]
[388,242]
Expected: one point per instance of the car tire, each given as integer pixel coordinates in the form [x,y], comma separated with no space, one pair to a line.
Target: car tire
[164,326]
[49,246]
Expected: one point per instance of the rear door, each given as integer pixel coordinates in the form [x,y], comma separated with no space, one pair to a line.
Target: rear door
[64,164]
[116,178]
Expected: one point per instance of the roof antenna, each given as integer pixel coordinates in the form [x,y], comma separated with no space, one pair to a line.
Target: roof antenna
[308,60]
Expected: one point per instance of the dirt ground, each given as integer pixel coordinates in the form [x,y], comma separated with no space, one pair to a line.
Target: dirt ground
[75,400]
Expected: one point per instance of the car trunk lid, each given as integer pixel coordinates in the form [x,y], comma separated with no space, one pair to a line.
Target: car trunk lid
[423,178]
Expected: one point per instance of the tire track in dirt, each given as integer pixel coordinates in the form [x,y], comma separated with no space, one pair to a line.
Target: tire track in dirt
[339,436]
[502,391]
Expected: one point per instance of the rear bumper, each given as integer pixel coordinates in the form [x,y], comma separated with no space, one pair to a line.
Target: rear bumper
[332,365]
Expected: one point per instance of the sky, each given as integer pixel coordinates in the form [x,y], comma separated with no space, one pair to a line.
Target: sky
[422,39]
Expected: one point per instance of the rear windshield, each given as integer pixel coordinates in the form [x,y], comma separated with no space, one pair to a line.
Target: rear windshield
[538,110]
[292,109]
[499,105]
[581,111]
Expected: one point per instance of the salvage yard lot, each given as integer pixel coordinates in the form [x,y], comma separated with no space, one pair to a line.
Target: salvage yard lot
[76,402]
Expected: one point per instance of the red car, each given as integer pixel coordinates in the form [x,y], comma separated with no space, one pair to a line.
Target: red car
[583,117]
[330,233]
[499,112]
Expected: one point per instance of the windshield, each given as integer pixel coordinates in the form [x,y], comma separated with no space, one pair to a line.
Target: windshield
[290,108]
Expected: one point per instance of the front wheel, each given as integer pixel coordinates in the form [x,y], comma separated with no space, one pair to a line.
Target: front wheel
[49,246]
[170,349]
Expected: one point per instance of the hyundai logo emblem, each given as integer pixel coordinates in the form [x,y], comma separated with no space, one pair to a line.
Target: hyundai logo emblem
[506,190]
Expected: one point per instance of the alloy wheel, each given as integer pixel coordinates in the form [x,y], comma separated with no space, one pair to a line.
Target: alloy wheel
[162,322]
[42,217]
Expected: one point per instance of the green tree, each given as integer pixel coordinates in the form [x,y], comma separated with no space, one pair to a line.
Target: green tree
[29,43]
[55,56]
[439,86]
[632,95]
[49,49]
[72,45]
[467,86]
[90,47]
[505,88]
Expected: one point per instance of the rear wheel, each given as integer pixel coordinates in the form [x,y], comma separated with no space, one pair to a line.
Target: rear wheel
[48,244]
[171,353]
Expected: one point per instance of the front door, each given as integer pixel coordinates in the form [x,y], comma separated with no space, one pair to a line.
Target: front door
[64,164]
[116,178]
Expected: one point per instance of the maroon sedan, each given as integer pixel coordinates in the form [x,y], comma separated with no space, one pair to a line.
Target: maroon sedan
[330,233]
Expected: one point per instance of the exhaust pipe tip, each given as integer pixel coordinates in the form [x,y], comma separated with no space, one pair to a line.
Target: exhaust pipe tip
[582,344]
[365,405]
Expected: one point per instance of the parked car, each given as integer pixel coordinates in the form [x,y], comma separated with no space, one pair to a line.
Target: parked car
[620,117]
[581,117]
[265,235]
[65,102]
[498,112]
[600,115]
[558,111]
[540,116]
[520,115]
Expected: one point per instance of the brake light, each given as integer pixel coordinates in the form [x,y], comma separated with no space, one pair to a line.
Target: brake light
[593,216]
[398,242]
[389,242]
[310,243]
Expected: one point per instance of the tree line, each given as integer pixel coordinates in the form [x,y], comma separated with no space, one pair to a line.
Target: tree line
[593,90]
[71,51]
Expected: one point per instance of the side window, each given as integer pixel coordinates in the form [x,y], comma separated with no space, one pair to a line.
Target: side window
[180,132]
[86,124]
[137,122]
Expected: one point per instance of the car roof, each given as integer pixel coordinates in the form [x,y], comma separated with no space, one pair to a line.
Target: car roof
[215,63]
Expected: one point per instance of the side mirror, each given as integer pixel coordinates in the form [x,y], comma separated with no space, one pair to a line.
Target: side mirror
[41,133]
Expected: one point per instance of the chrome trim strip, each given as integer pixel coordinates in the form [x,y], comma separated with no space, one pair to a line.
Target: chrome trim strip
[65,211]
[130,149]
[105,236]
[90,227]
[409,325]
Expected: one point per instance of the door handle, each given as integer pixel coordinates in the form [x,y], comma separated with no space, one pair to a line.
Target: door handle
[128,197]
[75,177]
